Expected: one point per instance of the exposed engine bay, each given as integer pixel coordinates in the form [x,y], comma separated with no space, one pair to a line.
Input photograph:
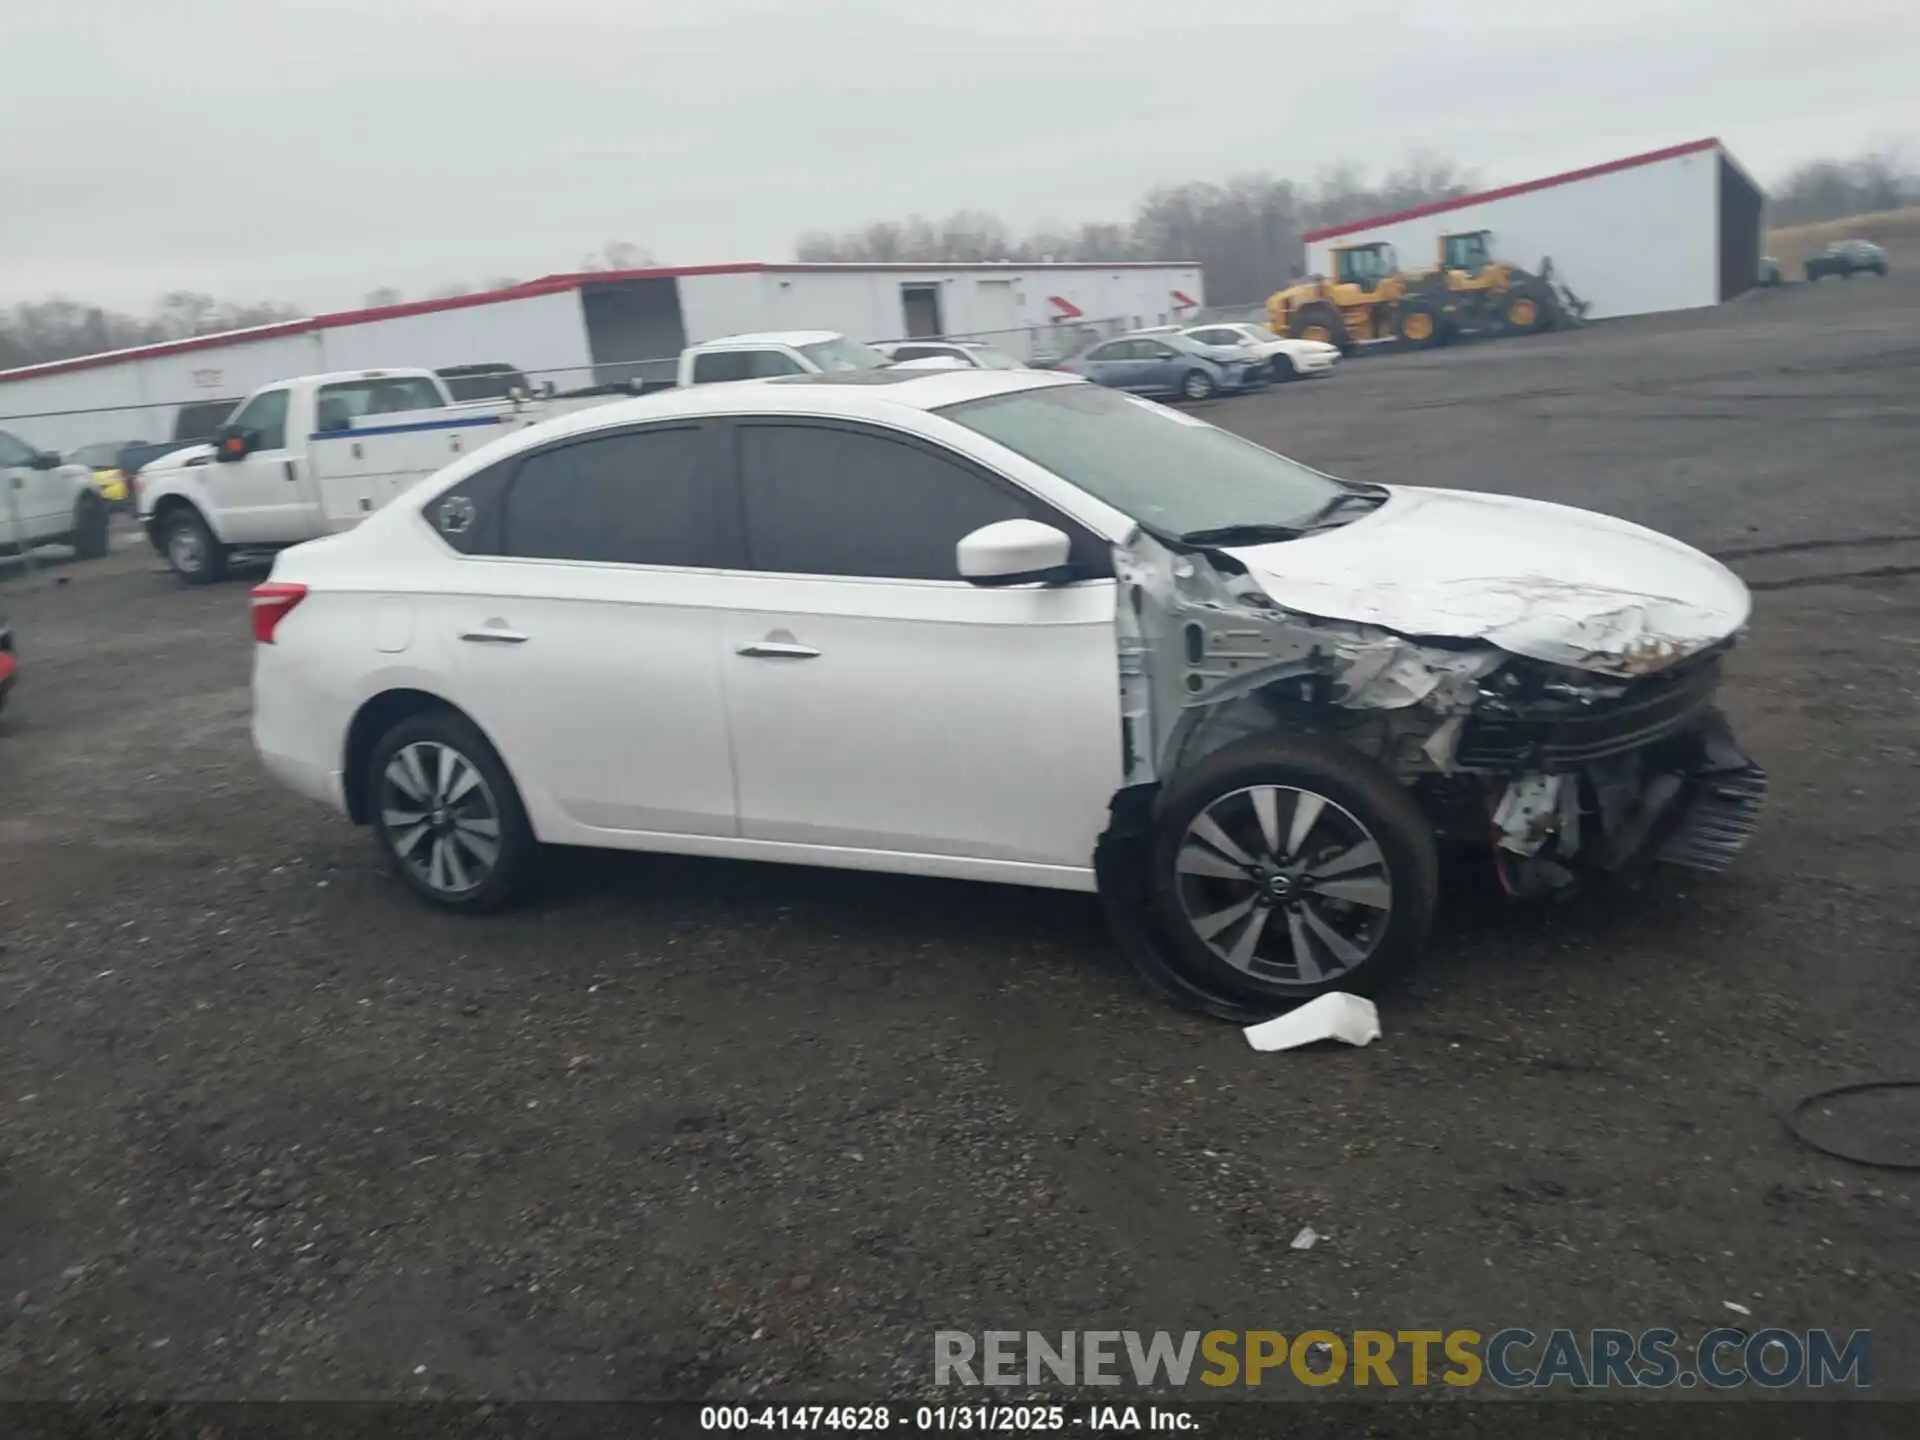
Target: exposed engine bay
[1550,769]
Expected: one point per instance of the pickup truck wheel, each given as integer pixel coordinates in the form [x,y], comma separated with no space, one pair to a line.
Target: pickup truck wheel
[447,815]
[191,549]
[1287,867]
[90,516]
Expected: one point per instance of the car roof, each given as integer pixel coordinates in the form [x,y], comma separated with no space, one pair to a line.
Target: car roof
[773,337]
[851,394]
[344,377]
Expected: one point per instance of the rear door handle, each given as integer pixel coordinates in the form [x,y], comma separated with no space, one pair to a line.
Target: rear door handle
[496,637]
[778,650]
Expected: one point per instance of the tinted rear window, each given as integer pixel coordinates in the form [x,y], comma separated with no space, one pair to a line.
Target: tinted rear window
[631,499]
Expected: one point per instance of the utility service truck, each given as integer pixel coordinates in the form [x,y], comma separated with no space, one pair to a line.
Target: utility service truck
[307,457]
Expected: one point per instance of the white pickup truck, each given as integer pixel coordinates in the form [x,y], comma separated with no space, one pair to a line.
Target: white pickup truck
[307,457]
[44,502]
[786,352]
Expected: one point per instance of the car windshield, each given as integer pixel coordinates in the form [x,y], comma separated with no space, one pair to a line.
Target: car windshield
[1169,471]
[841,353]
[988,358]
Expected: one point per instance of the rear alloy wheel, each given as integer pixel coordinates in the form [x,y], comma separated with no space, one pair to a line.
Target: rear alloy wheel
[447,815]
[1197,385]
[196,557]
[1285,869]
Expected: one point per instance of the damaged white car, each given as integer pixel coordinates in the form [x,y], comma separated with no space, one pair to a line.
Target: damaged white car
[1006,626]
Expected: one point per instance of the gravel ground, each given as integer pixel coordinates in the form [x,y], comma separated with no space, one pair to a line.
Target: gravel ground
[269,1128]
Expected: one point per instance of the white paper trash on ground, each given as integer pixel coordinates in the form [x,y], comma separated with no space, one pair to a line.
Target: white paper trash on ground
[1336,1016]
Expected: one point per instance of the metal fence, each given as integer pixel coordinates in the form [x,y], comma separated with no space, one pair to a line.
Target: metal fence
[1032,344]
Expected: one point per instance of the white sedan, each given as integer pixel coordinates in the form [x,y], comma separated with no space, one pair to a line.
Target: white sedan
[1289,359]
[967,354]
[1004,626]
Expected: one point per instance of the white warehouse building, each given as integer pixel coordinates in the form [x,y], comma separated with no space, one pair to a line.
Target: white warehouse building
[596,327]
[1673,229]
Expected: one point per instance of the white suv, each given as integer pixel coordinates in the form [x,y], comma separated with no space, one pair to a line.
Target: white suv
[1004,626]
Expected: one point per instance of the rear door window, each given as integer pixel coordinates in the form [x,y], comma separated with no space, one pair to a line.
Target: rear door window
[633,498]
[715,366]
[339,404]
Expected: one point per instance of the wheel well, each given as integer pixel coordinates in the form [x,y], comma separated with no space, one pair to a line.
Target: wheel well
[374,719]
[163,507]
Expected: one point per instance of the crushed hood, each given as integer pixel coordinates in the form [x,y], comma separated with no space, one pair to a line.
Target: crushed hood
[1550,582]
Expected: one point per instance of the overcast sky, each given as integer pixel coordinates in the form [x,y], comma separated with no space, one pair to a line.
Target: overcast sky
[310,152]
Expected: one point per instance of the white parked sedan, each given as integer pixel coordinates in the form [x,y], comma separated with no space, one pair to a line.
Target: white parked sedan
[970,354]
[1289,359]
[1005,626]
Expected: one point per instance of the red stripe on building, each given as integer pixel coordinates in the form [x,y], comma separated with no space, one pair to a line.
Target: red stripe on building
[1441,207]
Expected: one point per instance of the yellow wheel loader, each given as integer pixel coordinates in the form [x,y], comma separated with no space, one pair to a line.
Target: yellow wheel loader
[1369,297]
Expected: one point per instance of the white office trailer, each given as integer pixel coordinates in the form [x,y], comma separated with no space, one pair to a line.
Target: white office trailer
[600,327]
[1673,229]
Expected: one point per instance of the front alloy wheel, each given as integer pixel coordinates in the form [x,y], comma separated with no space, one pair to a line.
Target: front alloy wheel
[1198,385]
[440,819]
[1284,885]
[1285,866]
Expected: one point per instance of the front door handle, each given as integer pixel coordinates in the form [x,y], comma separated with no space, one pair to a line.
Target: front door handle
[778,650]
[496,637]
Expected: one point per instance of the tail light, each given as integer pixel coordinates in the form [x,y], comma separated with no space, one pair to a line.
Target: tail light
[272,603]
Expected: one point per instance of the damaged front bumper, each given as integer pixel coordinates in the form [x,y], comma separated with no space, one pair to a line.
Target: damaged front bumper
[1551,769]
[1690,798]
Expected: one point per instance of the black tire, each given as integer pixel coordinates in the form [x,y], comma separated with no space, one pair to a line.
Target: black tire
[1813,275]
[471,849]
[1357,805]
[1282,369]
[1525,295]
[1880,270]
[90,520]
[1197,385]
[190,547]
[1319,315]
[1420,325]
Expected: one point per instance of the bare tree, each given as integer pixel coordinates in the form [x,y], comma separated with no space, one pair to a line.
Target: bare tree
[1834,189]
[619,255]
[1245,232]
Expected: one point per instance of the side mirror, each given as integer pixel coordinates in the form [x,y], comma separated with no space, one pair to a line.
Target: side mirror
[1015,552]
[45,460]
[231,442]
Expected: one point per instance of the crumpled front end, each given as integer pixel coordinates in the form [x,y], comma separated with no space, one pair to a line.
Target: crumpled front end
[1551,770]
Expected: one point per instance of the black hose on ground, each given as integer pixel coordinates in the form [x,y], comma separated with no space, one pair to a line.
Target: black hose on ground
[1792,1120]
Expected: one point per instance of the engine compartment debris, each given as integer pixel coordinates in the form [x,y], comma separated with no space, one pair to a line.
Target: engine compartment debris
[1556,727]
